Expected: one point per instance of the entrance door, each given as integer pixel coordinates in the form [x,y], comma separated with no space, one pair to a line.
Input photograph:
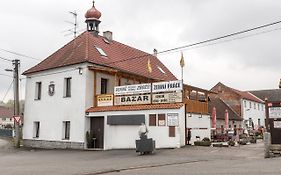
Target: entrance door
[97,128]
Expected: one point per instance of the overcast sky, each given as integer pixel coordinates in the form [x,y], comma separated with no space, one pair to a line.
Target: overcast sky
[34,28]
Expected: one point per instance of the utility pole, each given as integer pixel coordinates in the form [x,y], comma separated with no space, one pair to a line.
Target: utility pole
[16,64]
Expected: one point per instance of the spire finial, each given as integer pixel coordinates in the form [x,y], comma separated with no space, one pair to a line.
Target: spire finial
[93,3]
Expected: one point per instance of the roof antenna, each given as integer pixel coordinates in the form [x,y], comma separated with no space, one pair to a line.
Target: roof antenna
[74,29]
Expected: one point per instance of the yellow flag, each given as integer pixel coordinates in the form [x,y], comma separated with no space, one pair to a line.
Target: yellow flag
[149,68]
[182,60]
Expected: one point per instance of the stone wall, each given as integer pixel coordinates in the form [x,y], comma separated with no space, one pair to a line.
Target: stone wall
[52,144]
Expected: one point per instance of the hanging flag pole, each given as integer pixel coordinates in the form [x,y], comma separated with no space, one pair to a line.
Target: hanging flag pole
[182,65]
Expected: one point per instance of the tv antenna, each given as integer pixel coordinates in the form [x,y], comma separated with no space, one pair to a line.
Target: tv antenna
[74,29]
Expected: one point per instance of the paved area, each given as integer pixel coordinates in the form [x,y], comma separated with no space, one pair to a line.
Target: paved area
[246,159]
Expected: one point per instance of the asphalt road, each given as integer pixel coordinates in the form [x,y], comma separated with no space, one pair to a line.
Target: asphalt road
[246,159]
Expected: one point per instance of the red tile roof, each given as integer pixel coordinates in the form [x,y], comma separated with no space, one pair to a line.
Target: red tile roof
[82,49]
[6,112]
[248,96]
[221,106]
[135,107]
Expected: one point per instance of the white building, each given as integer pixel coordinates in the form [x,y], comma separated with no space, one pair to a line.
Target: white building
[71,93]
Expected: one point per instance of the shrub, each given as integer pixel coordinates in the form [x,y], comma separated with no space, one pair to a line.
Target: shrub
[231,143]
[206,139]
[89,138]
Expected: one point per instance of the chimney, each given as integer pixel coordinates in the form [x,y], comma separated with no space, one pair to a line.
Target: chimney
[280,84]
[155,52]
[108,35]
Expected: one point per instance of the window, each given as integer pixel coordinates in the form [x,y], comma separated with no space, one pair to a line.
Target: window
[254,105]
[66,130]
[259,122]
[161,70]
[38,90]
[161,120]
[245,104]
[250,104]
[36,129]
[152,119]
[67,87]
[103,86]
[258,106]
[101,52]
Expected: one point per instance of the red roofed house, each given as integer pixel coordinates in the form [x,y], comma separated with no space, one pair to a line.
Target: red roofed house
[6,117]
[97,85]
[249,107]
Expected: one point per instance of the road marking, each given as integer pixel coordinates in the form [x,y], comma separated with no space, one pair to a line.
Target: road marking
[142,167]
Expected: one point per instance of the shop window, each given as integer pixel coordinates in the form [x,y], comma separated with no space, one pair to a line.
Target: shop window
[66,130]
[161,120]
[152,119]
[38,90]
[36,129]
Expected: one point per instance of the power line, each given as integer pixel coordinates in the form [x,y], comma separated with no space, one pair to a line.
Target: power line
[5,59]
[19,54]
[225,41]
[9,88]
[201,42]
[6,75]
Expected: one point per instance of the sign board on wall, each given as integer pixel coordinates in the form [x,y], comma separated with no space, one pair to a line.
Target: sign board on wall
[173,119]
[275,112]
[105,100]
[132,89]
[277,124]
[132,99]
[167,86]
[172,97]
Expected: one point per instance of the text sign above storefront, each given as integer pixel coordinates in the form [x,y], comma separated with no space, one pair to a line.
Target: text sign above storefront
[172,97]
[274,112]
[167,86]
[172,119]
[132,99]
[105,100]
[132,89]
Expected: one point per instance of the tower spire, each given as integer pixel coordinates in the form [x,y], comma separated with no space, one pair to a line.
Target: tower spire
[92,19]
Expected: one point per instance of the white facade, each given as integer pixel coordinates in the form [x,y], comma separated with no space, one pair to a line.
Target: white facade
[52,111]
[124,136]
[199,125]
[45,118]
[253,111]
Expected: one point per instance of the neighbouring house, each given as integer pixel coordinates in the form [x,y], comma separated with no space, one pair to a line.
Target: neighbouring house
[273,97]
[6,117]
[97,90]
[235,121]
[245,104]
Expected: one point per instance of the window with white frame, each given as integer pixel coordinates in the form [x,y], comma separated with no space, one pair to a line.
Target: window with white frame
[67,87]
[66,130]
[245,104]
[38,90]
[36,129]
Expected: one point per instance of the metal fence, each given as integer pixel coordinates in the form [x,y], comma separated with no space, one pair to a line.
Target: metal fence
[6,133]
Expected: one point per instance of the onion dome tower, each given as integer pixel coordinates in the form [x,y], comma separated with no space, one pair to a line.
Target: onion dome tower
[92,19]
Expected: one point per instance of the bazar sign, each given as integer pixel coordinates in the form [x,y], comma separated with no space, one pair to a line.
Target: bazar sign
[105,100]
[132,89]
[173,97]
[274,112]
[132,99]
[167,86]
